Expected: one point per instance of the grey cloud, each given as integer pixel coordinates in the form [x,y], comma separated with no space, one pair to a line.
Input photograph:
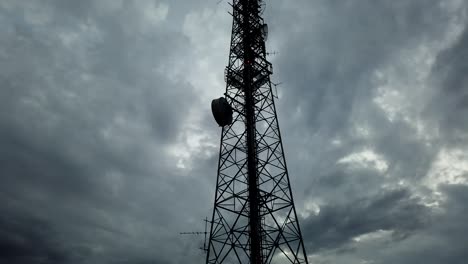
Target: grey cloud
[439,240]
[392,210]
[26,240]
[85,127]
[341,53]
[329,77]
[90,113]
[443,241]
[450,103]
[329,51]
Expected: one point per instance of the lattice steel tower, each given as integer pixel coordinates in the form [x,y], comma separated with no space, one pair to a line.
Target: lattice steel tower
[254,219]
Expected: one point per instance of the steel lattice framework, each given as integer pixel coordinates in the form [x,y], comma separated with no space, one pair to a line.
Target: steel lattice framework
[254,219]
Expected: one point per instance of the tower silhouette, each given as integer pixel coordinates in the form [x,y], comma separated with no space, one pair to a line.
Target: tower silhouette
[254,219]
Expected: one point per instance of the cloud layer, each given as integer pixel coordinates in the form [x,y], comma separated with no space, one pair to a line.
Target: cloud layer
[108,148]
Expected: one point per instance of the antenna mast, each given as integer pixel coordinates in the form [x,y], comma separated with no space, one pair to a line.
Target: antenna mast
[254,218]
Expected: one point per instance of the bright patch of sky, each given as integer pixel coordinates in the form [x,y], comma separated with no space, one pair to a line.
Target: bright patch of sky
[310,208]
[376,235]
[366,159]
[206,30]
[450,167]
[404,88]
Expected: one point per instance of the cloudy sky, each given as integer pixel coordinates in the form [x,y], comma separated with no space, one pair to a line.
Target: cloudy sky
[108,149]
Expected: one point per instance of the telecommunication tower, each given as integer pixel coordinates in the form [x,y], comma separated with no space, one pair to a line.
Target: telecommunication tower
[254,219]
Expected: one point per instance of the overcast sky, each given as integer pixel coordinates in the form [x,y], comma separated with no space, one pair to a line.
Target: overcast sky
[108,148]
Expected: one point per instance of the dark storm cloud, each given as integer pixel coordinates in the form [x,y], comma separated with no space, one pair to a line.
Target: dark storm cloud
[329,81]
[337,225]
[450,105]
[441,242]
[28,240]
[344,42]
[95,99]
[329,55]
[86,120]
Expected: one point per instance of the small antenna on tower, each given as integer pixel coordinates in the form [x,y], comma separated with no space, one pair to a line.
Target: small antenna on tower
[276,89]
[272,53]
[204,248]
